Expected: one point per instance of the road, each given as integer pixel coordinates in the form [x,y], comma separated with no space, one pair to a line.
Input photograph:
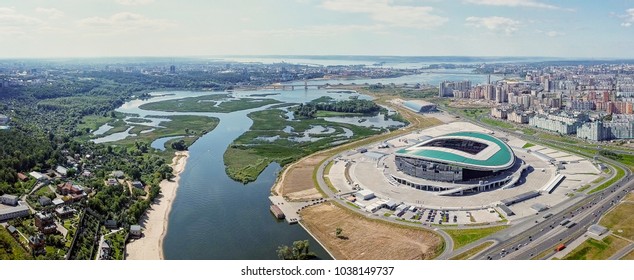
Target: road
[333,197]
[528,239]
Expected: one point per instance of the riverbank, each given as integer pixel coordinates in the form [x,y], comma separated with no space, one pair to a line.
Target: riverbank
[155,220]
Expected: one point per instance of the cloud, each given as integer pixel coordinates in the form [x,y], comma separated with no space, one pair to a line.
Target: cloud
[629,18]
[315,31]
[125,22]
[515,3]
[507,25]
[554,34]
[14,23]
[51,13]
[386,12]
[134,2]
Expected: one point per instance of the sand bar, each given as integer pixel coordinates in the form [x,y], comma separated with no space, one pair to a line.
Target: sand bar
[154,222]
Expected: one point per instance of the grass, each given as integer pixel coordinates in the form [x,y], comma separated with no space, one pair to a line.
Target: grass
[497,123]
[194,126]
[528,145]
[462,237]
[44,191]
[93,122]
[10,249]
[473,251]
[620,173]
[322,114]
[139,120]
[207,103]
[117,244]
[387,214]
[353,205]
[621,218]
[247,156]
[597,249]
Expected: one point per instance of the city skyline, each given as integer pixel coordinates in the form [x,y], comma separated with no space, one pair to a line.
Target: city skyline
[99,28]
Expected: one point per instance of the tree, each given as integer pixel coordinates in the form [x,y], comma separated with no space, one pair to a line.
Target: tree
[338,232]
[299,251]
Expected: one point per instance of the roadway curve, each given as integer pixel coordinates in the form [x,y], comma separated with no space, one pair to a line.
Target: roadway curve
[448,248]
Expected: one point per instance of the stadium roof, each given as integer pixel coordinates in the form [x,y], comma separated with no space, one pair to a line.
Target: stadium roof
[493,155]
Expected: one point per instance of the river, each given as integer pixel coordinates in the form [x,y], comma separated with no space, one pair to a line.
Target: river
[214,217]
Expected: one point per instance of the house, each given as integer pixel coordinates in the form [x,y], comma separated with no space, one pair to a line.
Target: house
[135,230]
[45,201]
[64,212]
[104,250]
[45,223]
[22,177]
[118,174]
[63,171]
[110,224]
[12,230]
[58,202]
[86,173]
[75,192]
[138,185]
[364,195]
[112,182]
[8,199]
[40,177]
[36,243]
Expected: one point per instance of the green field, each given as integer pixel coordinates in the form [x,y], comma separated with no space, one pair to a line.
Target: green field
[528,145]
[324,114]
[10,249]
[93,122]
[619,174]
[629,256]
[472,252]
[462,237]
[117,244]
[497,123]
[597,249]
[139,120]
[621,218]
[248,155]
[207,103]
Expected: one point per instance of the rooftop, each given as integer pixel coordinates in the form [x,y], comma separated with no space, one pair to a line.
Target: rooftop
[491,152]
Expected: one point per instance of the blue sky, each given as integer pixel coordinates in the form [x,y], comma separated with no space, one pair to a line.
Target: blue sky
[87,28]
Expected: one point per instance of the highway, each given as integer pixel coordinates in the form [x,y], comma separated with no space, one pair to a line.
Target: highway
[530,238]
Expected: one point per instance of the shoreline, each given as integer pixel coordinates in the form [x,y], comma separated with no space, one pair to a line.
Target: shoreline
[155,221]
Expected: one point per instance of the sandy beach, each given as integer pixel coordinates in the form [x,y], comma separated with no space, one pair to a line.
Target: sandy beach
[154,222]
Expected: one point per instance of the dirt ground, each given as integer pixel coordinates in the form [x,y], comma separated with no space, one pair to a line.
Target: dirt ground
[296,182]
[364,239]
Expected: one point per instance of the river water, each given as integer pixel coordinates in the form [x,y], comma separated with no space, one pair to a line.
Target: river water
[214,217]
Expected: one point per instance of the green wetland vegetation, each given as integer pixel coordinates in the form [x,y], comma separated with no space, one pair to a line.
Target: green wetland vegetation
[208,103]
[267,142]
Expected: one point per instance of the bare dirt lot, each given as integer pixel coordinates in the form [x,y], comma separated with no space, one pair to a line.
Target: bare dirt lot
[365,239]
[299,176]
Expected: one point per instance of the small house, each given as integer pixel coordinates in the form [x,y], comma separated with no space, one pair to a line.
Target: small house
[8,199]
[138,185]
[45,201]
[135,230]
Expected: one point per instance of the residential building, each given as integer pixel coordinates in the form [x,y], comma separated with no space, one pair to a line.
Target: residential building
[135,230]
[8,199]
[8,213]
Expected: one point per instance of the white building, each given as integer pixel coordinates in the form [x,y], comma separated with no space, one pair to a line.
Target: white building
[8,199]
[7,213]
[364,195]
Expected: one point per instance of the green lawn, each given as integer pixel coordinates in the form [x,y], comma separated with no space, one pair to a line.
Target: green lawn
[528,145]
[497,123]
[621,218]
[620,173]
[117,244]
[472,252]
[597,249]
[208,103]
[322,114]
[462,237]
[10,249]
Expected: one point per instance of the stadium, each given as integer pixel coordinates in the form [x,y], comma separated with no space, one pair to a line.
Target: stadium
[457,163]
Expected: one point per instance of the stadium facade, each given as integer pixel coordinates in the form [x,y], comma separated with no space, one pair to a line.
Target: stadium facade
[456,157]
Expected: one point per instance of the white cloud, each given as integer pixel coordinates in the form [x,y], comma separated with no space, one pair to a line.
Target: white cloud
[629,18]
[515,3]
[385,11]
[506,25]
[554,34]
[125,22]
[134,2]
[14,23]
[315,31]
[51,13]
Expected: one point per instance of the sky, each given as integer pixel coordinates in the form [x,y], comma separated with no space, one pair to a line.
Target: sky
[111,28]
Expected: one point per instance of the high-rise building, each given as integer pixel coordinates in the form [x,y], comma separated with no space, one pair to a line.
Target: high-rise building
[172,69]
